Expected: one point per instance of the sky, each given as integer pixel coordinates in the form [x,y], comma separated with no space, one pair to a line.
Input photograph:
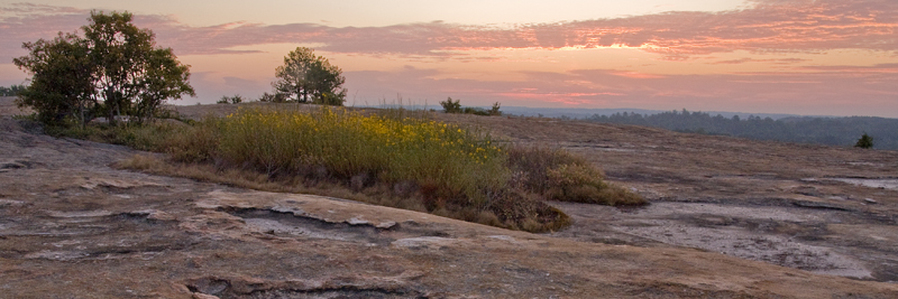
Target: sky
[808,57]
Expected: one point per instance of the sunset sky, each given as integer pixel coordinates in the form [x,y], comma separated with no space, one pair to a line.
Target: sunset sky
[824,57]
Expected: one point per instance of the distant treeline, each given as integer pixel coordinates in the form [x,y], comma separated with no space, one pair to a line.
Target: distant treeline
[841,131]
[10,91]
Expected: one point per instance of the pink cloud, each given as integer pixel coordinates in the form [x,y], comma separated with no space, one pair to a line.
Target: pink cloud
[821,92]
[879,68]
[781,61]
[769,26]
[637,75]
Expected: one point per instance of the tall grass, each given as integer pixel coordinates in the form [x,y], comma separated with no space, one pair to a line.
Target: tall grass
[560,175]
[388,159]
[444,162]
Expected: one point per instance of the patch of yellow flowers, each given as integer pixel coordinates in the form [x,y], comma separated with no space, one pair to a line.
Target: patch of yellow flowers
[348,143]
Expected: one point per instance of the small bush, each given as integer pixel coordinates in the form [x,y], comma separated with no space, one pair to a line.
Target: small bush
[137,136]
[864,142]
[235,99]
[455,107]
[273,98]
[494,111]
[562,176]
[531,165]
[451,107]
[192,144]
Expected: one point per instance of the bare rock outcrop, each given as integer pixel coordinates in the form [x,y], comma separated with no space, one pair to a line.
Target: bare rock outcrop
[73,227]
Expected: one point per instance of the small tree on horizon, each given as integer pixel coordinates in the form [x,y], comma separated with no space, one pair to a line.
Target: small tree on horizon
[494,111]
[864,142]
[310,78]
[451,107]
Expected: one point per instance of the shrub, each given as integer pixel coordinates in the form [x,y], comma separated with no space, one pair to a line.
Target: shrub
[560,175]
[451,107]
[192,144]
[455,107]
[273,98]
[530,165]
[494,111]
[235,99]
[864,142]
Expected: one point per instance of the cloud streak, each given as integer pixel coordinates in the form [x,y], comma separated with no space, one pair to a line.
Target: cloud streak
[803,26]
[717,40]
[819,92]
[769,26]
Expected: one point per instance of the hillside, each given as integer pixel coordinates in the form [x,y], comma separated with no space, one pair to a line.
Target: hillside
[835,131]
[729,218]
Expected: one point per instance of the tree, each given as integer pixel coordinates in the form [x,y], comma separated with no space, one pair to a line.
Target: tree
[61,79]
[115,69]
[130,68]
[451,107]
[165,78]
[864,142]
[310,78]
[494,111]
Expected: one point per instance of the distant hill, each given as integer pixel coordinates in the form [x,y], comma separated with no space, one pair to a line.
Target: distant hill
[826,130]
[569,112]
[587,112]
[836,131]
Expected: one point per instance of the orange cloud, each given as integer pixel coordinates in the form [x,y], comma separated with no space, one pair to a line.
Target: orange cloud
[820,92]
[769,26]
[636,75]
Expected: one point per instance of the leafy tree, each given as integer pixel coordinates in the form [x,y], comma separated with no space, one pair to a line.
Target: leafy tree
[61,79]
[864,142]
[115,69]
[130,67]
[164,78]
[310,78]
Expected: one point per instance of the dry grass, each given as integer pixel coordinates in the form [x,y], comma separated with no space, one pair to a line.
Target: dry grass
[390,159]
[560,175]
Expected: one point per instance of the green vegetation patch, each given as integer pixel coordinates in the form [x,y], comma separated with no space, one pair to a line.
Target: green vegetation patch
[387,159]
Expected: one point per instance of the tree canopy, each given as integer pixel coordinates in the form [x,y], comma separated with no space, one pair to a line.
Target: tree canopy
[310,78]
[115,69]
[61,82]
